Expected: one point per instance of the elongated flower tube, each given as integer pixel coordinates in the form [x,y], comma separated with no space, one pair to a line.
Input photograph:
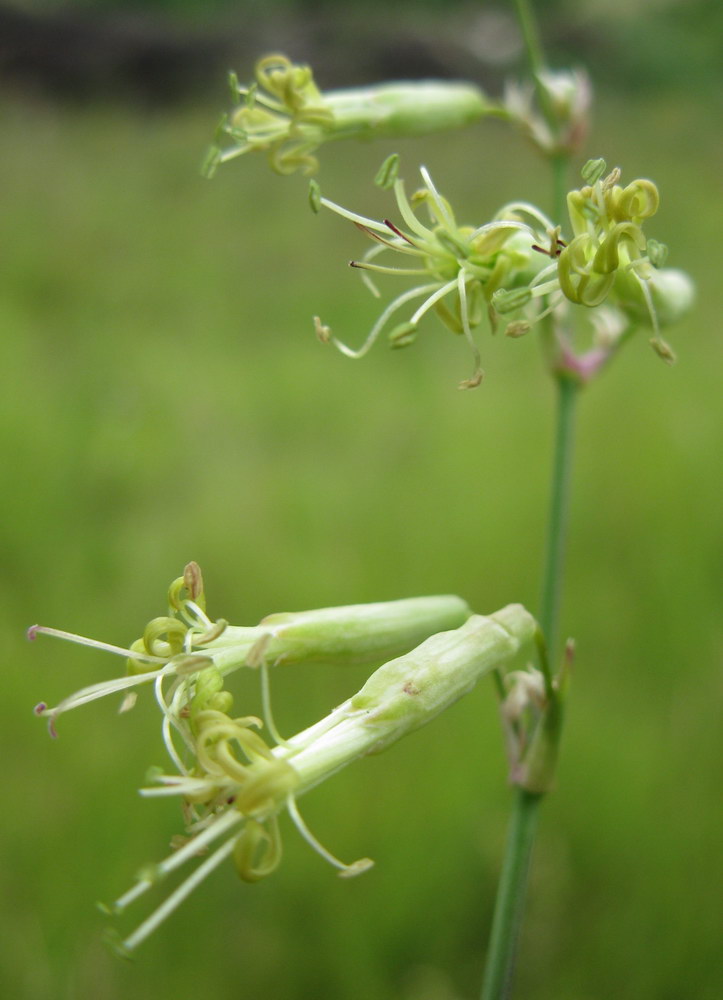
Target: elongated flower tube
[457,268]
[234,785]
[284,114]
[178,648]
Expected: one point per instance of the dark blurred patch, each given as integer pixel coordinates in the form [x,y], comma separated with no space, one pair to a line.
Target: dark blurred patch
[177,50]
[76,54]
[131,54]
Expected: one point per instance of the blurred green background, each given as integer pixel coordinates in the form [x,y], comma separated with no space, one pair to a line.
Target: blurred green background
[164,399]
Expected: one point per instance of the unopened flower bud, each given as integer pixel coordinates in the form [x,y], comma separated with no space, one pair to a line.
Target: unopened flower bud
[657,253]
[509,300]
[593,171]
[403,335]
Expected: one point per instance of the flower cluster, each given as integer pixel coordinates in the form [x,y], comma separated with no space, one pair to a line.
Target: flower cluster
[232,783]
[284,114]
[462,267]
[518,267]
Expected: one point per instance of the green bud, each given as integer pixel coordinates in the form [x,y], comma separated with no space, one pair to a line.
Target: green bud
[233,86]
[593,171]
[388,172]
[536,772]
[657,253]
[403,335]
[663,349]
[517,329]
[508,300]
[314,197]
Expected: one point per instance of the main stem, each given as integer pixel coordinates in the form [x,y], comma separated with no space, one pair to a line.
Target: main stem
[512,889]
[567,389]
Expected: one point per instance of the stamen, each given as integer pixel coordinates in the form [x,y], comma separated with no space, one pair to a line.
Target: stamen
[464,313]
[528,209]
[266,706]
[222,825]
[380,323]
[442,209]
[400,233]
[384,269]
[93,692]
[439,294]
[407,246]
[170,719]
[345,870]
[409,217]
[178,785]
[81,640]
[197,616]
[649,303]
[353,216]
[178,896]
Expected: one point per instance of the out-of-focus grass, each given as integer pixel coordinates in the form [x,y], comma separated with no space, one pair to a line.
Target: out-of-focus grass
[164,399]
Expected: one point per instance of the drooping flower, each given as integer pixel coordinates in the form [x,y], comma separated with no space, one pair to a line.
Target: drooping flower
[177,648]
[461,268]
[234,786]
[232,783]
[285,115]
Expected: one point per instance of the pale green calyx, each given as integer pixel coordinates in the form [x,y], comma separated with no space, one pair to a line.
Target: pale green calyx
[285,115]
[234,785]
[457,269]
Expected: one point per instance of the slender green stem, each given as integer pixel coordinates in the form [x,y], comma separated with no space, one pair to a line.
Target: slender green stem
[512,889]
[567,389]
[530,36]
[510,904]
[560,186]
[535,58]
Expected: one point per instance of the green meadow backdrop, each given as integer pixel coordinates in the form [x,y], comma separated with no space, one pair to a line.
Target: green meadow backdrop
[165,399]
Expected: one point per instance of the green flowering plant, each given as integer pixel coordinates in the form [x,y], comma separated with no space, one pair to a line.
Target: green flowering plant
[517,268]
[595,274]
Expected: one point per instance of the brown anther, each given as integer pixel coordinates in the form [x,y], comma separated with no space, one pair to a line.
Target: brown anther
[397,231]
[193,581]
